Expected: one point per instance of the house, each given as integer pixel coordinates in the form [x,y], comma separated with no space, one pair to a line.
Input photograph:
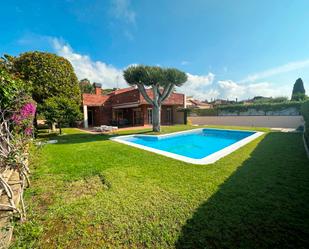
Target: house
[127,107]
[193,103]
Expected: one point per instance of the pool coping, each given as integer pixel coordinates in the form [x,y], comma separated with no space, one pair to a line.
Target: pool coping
[205,160]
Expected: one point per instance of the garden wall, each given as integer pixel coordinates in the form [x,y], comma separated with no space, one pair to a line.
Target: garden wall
[290,111]
[254,121]
[290,108]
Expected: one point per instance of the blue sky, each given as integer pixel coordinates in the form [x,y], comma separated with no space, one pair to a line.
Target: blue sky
[229,49]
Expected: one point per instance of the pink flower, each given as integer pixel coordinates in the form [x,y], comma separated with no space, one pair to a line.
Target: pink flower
[27,110]
[16,118]
[28,131]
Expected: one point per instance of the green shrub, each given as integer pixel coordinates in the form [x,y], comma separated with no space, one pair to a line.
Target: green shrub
[261,106]
[305,113]
[11,89]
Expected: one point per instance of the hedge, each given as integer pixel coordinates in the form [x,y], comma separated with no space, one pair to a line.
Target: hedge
[305,113]
[261,106]
[204,112]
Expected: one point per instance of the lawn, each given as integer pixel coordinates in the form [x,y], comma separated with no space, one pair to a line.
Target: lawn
[90,192]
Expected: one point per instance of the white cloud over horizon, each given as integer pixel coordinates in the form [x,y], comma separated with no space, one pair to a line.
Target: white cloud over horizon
[197,86]
[229,89]
[96,71]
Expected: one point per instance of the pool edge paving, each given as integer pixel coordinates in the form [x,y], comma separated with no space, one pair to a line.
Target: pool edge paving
[205,160]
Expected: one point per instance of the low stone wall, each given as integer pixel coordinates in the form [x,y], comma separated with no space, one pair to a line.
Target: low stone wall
[6,215]
[254,121]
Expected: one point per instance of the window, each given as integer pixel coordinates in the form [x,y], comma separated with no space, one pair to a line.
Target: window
[149,115]
[169,115]
[137,116]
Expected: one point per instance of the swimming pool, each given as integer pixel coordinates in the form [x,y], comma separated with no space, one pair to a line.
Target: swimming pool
[198,146]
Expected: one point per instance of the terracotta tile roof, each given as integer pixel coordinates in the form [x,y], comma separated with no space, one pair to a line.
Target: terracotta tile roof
[197,102]
[117,97]
[122,90]
[94,100]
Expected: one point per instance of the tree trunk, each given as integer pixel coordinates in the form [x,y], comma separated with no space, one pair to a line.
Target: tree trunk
[53,126]
[35,125]
[156,118]
[60,131]
[156,102]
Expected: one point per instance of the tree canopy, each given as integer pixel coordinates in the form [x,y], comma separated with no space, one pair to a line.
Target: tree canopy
[85,86]
[299,92]
[61,110]
[12,90]
[49,75]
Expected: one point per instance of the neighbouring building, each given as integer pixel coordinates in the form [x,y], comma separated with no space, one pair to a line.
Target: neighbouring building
[217,102]
[127,107]
[193,103]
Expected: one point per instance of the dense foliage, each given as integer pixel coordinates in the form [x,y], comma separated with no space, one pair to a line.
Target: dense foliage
[204,112]
[305,113]
[162,81]
[17,111]
[85,86]
[49,75]
[299,92]
[11,90]
[238,108]
[61,110]
[260,99]
[261,106]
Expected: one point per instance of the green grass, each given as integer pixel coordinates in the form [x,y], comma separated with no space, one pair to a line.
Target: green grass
[90,192]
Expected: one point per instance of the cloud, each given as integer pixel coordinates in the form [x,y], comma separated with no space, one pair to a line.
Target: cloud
[291,66]
[229,89]
[198,86]
[121,9]
[204,87]
[95,71]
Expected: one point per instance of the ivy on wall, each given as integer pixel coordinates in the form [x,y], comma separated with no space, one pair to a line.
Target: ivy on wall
[305,113]
[266,107]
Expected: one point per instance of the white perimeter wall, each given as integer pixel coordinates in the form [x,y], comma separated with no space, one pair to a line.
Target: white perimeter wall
[254,121]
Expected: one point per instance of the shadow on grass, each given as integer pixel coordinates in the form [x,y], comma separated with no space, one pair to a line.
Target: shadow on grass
[264,204]
[82,137]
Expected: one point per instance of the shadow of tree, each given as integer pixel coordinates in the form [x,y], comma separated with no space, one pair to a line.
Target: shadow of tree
[264,204]
[83,137]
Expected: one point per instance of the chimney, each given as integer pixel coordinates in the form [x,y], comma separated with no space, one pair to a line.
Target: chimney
[98,88]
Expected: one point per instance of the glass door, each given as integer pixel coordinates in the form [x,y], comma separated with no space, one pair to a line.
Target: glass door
[149,114]
[169,115]
[137,117]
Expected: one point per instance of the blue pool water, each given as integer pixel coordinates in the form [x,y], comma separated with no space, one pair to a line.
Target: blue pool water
[196,144]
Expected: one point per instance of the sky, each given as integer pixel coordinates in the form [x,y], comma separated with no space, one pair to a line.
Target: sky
[228,48]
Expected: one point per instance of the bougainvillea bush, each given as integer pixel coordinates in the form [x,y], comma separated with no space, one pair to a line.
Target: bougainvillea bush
[17,111]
